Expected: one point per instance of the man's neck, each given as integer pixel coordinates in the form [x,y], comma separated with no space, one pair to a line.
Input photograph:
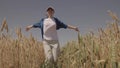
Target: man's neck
[50,16]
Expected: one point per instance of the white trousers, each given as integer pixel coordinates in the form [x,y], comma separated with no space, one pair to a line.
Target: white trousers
[51,50]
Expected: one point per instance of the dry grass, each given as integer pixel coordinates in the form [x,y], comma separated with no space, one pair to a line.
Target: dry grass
[89,51]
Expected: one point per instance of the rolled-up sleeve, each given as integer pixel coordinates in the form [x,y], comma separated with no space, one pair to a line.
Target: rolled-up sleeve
[60,24]
[37,25]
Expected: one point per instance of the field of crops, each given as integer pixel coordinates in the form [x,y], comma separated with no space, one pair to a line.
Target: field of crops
[100,50]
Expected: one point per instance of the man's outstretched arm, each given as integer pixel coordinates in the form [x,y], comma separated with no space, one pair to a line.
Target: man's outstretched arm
[73,27]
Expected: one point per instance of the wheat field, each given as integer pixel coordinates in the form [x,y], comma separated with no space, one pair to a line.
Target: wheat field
[92,50]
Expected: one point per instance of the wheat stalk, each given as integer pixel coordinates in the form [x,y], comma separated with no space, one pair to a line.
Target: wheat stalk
[4,25]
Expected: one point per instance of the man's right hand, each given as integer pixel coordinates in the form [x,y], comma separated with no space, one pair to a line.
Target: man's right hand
[28,28]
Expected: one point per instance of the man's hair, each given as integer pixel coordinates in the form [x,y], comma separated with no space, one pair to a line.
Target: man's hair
[50,8]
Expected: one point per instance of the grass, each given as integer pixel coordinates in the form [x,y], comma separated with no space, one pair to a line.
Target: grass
[89,51]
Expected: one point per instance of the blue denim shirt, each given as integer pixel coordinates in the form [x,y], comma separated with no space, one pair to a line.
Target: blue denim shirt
[59,25]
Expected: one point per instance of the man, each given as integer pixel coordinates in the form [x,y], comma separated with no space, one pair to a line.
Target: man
[49,27]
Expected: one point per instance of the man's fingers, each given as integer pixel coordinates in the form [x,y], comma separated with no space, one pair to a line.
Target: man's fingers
[77,29]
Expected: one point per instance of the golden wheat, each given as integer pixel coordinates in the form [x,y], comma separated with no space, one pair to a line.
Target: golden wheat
[4,25]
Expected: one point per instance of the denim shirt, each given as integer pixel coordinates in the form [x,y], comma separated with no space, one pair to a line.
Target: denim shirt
[59,25]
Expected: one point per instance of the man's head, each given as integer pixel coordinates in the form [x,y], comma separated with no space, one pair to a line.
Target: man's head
[50,12]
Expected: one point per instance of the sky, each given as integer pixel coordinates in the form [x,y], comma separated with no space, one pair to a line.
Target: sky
[87,15]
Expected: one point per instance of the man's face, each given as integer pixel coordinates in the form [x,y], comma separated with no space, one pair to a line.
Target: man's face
[50,13]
